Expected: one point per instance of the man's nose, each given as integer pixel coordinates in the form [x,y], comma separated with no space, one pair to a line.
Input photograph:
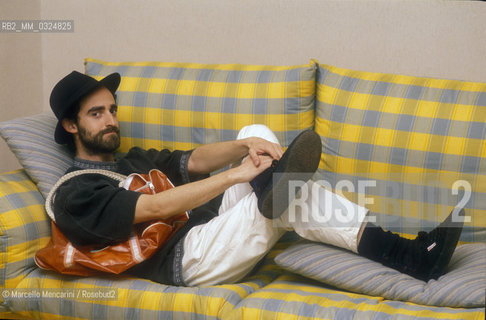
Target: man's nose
[111,120]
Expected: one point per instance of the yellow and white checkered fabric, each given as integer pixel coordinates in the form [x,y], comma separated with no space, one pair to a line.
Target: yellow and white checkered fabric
[183,105]
[414,147]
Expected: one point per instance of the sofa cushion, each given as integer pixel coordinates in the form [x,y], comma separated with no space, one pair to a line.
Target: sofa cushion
[31,139]
[294,297]
[130,298]
[463,286]
[414,147]
[183,105]
[121,298]
[24,227]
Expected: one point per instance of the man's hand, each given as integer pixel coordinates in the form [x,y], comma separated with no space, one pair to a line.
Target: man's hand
[258,147]
[247,170]
[214,156]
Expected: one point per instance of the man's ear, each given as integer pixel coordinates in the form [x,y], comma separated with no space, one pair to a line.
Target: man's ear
[69,125]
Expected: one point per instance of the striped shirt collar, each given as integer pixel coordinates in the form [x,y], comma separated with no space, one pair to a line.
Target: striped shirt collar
[88,164]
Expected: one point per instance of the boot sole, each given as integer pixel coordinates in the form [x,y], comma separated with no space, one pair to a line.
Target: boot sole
[299,162]
[452,238]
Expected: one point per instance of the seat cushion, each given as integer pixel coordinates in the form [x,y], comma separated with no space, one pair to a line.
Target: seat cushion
[463,285]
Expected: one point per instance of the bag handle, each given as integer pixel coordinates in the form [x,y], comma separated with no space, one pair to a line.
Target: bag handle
[50,197]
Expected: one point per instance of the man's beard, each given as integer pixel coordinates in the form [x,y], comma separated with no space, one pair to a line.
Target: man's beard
[96,144]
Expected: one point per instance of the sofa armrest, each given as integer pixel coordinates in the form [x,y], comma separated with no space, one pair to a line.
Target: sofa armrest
[24,227]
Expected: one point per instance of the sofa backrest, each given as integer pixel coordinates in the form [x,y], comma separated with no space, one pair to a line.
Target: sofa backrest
[416,146]
[197,104]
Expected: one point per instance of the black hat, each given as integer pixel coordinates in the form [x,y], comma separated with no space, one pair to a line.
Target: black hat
[70,90]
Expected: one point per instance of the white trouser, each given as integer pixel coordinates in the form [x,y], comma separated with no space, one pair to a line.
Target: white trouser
[226,248]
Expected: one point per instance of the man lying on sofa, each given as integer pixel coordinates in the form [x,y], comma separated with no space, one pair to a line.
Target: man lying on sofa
[217,244]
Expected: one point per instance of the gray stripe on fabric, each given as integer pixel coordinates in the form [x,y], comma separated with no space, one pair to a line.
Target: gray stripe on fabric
[99,311]
[472,165]
[139,99]
[14,177]
[16,200]
[293,105]
[198,135]
[176,74]
[31,231]
[414,158]
[105,70]
[184,134]
[132,313]
[204,75]
[201,74]
[433,194]
[364,151]
[370,118]
[228,105]
[476,130]
[140,285]
[481,99]
[148,71]
[93,68]
[403,122]
[259,106]
[433,160]
[414,92]
[449,96]
[398,156]
[233,76]
[381,88]
[264,76]
[67,308]
[440,126]
[291,75]
[347,83]
[198,103]
[338,114]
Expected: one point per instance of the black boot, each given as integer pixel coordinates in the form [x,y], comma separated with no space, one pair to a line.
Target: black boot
[299,162]
[424,258]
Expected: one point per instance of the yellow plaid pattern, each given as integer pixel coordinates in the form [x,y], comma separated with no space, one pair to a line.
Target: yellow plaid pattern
[132,298]
[420,141]
[183,105]
[24,227]
[294,297]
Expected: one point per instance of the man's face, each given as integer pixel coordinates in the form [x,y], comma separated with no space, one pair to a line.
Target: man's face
[97,124]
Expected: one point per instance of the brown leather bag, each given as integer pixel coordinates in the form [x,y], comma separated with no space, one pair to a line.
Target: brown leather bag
[62,256]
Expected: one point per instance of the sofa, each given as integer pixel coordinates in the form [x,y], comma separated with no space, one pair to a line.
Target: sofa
[408,148]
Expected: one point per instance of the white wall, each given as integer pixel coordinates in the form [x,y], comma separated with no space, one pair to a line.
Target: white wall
[20,71]
[444,39]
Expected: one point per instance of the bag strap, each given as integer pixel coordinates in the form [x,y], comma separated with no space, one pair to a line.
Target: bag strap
[50,197]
